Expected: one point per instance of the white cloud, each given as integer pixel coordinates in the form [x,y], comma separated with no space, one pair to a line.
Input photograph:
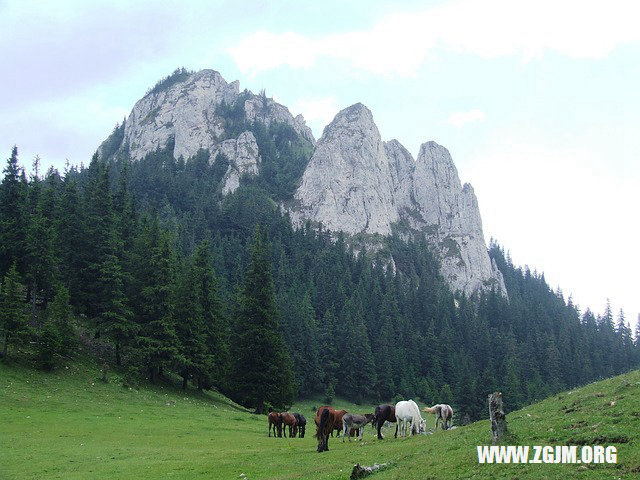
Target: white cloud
[399,43]
[561,210]
[460,119]
[317,112]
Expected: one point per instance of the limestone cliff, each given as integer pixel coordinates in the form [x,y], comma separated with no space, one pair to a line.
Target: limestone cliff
[185,110]
[357,184]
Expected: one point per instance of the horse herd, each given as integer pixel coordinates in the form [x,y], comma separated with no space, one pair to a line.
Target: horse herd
[405,414]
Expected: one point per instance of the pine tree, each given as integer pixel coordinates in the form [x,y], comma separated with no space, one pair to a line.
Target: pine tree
[13,320]
[60,313]
[201,327]
[263,369]
[157,342]
[13,214]
[71,246]
[40,247]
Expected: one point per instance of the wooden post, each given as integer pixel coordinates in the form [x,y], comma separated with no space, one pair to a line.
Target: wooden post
[497,417]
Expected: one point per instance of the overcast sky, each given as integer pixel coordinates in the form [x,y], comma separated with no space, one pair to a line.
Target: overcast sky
[537,101]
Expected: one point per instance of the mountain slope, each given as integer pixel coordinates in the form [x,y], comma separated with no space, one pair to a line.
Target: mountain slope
[70,425]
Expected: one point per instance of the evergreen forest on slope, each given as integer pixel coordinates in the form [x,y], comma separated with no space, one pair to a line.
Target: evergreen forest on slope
[165,279]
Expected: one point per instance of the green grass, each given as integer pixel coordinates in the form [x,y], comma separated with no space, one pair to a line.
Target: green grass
[69,425]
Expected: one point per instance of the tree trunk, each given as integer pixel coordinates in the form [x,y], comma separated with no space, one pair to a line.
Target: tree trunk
[184,381]
[497,417]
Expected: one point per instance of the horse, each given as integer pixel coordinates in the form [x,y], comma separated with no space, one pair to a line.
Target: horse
[384,413]
[301,423]
[337,422]
[325,417]
[289,420]
[407,412]
[275,420]
[356,422]
[443,412]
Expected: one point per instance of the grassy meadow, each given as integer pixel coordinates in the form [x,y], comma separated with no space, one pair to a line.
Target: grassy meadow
[70,425]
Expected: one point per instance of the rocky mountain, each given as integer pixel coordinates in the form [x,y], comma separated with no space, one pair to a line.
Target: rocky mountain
[185,108]
[354,182]
[357,184]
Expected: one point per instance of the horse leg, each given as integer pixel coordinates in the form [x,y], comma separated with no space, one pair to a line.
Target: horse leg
[397,425]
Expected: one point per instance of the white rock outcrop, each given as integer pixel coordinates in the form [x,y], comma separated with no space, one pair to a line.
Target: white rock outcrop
[185,112]
[242,154]
[357,184]
[347,184]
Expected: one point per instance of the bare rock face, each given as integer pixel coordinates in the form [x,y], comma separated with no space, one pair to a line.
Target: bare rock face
[242,154]
[347,185]
[356,184]
[449,216]
[185,112]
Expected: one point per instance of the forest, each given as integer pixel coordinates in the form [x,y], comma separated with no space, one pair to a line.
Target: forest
[146,265]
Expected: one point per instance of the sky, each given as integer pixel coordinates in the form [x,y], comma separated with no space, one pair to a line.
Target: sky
[537,101]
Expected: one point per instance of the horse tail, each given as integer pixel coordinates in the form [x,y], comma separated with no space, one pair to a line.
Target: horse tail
[429,409]
[324,419]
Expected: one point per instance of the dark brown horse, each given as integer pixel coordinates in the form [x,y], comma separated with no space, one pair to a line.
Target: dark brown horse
[325,419]
[275,420]
[384,413]
[288,420]
[301,424]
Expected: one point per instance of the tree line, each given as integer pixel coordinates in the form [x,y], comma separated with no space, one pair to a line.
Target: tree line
[182,284]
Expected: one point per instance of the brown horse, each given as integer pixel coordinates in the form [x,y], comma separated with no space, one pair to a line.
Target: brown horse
[275,420]
[325,419]
[384,413]
[337,425]
[288,420]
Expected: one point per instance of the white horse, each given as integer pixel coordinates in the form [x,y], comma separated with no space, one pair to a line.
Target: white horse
[443,412]
[407,412]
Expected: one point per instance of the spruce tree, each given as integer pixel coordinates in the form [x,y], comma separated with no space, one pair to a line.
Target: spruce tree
[157,342]
[263,370]
[13,216]
[13,320]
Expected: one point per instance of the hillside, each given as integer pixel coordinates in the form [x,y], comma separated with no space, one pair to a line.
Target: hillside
[70,425]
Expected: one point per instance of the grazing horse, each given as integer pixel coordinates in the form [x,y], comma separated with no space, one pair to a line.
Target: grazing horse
[275,420]
[384,413]
[325,417]
[301,423]
[337,422]
[353,421]
[289,420]
[408,413]
[443,412]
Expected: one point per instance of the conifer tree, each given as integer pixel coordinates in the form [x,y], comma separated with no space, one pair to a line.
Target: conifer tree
[201,326]
[70,239]
[263,368]
[13,320]
[157,342]
[40,243]
[60,313]
[13,216]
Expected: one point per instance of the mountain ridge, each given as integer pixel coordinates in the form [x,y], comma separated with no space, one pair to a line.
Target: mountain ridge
[353,183]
